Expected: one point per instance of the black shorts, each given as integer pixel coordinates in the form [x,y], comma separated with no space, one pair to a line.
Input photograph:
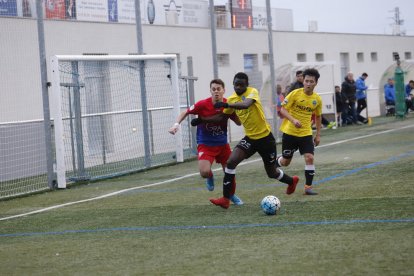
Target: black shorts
[265,146]
[290,144]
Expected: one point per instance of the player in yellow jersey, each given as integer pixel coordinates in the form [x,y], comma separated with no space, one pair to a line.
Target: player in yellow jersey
[245,102]
[297,109]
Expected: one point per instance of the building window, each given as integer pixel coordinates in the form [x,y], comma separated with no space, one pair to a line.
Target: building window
[223,60]
[319,57]
[265,59]
[360,57]
[250,62]
[221,16]
[374,56]
[301,57]
[407,55]
[344,58]
[395,55]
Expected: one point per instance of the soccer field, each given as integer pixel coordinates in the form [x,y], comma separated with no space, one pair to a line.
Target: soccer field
[160,222]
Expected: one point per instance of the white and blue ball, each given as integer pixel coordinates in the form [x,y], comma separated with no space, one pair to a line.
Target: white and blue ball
[270,205]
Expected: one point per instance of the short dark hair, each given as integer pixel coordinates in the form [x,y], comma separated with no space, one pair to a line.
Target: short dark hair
[312,72]
[241,75]
[337,86]
[411,81]
[364,74]
[299,72]
[217,81]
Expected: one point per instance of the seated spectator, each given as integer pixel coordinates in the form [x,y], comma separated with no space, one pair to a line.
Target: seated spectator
[389,94]
[324,121]
[408,99]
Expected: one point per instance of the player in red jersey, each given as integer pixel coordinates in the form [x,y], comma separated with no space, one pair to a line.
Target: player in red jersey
[212,142]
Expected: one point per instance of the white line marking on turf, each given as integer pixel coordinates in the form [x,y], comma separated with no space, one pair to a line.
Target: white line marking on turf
[181,177]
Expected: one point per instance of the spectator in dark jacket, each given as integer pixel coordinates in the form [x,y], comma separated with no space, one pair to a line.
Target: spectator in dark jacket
[298,83]
[349,90]
[340,102]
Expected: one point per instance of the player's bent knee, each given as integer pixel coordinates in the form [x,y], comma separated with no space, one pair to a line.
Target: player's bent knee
[232,164]
[286,161]
[205,174]
[309,158]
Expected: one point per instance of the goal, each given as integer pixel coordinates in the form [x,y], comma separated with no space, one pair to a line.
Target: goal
[111,114]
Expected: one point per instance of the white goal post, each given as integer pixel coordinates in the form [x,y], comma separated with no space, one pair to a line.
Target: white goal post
[111,114]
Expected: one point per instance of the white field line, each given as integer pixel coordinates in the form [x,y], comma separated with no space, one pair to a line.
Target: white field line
[181,177]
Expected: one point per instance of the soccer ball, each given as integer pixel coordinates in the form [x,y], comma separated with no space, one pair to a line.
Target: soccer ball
[270,205]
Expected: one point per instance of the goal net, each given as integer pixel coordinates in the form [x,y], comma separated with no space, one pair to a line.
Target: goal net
[112,114]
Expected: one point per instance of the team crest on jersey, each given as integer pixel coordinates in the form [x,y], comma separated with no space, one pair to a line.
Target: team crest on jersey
[192,107]
[314,102]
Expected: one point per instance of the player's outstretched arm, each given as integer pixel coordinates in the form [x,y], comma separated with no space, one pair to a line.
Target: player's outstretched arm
[240,105]
[235,119]
[173,130]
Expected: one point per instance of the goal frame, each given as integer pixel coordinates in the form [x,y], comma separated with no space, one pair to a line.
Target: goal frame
[60,167]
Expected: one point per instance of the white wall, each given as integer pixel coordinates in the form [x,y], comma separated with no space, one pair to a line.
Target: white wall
[19,70]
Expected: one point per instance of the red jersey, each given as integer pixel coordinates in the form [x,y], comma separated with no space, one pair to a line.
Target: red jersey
[210,134]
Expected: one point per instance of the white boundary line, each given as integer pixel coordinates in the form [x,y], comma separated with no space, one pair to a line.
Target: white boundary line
[181,177]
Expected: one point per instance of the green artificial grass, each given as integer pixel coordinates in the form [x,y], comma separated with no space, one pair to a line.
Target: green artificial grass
[361,223]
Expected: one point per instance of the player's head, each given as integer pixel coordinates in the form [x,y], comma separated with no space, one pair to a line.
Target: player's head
[240,83]
[364,75]
[217,81]
[310,79]
[217,89]
[411,83]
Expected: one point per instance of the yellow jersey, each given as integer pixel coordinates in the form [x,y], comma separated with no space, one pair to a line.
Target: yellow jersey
[253,118]
[301,106]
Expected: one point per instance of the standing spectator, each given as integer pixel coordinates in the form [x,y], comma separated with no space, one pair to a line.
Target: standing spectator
[361,96]
[389,94]
[298,83]
[340,102]
[349,90]
[279,98]
[408,100]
